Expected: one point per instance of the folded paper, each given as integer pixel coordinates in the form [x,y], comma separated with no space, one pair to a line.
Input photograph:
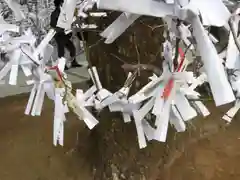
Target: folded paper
[114,30]
[15,7]
[65,19]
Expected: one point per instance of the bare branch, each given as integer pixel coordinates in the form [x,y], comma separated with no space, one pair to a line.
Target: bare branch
[145,67]
[138,54]
[152,27]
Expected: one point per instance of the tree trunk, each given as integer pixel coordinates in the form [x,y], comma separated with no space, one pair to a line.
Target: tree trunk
[115,152]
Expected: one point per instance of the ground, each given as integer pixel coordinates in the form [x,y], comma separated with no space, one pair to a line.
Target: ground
[216,157]
[26,149]
[27,152]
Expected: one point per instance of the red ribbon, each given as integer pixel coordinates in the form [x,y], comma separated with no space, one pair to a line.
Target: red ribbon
[169,86]
[167,89]
[182,57]
[57,70]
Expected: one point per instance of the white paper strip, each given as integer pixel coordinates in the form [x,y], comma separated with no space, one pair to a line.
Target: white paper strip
[126,117]
[87,117]
[141,113]
[13,75]
[232,112]
[37,101]
[148,130]
[27,38]
[89,93]
[221,89]
[15,57]
[159,102]
[162,120]
[66,16]
[90,102]
[4,71]
[31,99]
[141,7]
[59,117]
[98,83]
[141,96]
[16,9]
[183,107]
[41,47]
[140,133]
[61,64]
[217,16]
[49,88]
[199,106]
[7,27]
[40,102]
[26,70]
[233,55]
[114,30]
[176,120]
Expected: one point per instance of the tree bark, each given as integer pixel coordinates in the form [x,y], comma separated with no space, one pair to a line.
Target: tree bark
[116,151]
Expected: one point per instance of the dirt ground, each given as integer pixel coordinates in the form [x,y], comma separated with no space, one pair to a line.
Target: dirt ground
[214,157]
[26,149]
[210,153]
[27,153]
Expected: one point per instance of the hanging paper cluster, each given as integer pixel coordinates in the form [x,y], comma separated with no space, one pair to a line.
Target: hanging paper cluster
[170,98]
